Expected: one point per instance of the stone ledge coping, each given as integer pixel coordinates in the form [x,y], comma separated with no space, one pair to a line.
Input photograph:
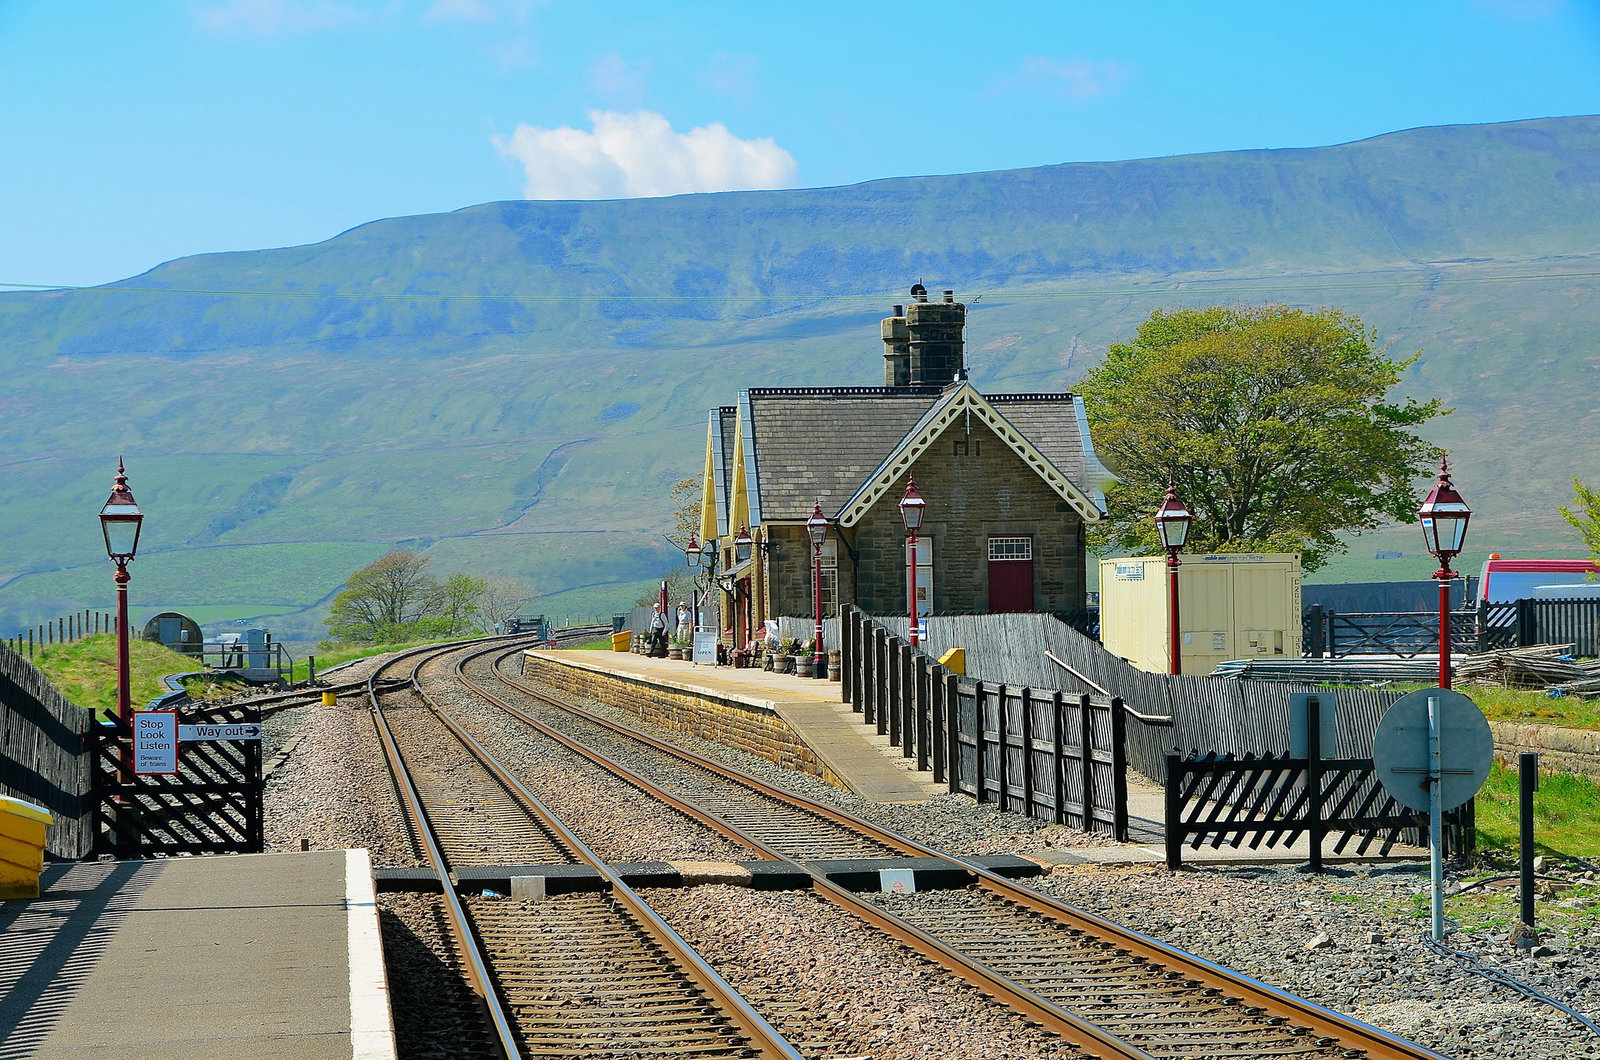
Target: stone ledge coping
[732,699]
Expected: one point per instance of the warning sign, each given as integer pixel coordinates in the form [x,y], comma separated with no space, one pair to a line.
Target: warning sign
[155,742]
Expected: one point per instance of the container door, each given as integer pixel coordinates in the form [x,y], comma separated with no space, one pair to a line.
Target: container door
[1010,575]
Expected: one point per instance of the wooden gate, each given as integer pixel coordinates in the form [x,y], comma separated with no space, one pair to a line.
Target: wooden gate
[1274,799]
[212,805]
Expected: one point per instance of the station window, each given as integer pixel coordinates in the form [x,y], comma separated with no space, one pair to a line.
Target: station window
[1010,548]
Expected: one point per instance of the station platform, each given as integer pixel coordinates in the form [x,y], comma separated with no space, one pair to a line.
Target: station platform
[863,761]
[251,957]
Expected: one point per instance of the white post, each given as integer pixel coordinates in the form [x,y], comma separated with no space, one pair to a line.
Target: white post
[1435,819]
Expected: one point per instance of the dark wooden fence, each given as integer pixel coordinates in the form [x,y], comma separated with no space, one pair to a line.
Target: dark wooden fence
[1482,627]
[1526,622]
[213,805]
[44,741]
[1053,755]
[1334,634]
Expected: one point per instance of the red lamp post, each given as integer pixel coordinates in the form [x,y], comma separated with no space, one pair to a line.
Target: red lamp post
[1444,518]
[120,521]
[817,527]
[1172,525]
[912,507]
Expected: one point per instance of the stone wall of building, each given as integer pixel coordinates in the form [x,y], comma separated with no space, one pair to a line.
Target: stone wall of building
[731,722]
[984,490]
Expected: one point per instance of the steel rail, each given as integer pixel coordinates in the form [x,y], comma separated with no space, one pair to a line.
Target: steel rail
[1015,996]
[766,1039]
[473,963]
[1376,1042]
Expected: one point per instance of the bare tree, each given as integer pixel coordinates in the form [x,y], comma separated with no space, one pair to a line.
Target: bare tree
[503,599]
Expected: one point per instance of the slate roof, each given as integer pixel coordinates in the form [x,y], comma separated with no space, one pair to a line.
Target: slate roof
[830,440]
[726,416]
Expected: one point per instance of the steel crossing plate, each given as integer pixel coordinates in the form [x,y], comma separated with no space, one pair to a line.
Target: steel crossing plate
[1400,748]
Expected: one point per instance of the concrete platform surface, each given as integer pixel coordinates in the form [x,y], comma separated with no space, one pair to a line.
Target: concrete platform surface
[250,956]
[864,761]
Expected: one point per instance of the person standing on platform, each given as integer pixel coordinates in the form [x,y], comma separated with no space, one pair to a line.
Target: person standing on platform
[658,634]
[685,632]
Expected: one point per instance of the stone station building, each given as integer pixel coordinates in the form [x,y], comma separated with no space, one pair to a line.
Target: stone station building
[1009,480]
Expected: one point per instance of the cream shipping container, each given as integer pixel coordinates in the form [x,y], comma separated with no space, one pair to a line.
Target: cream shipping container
[1230,606]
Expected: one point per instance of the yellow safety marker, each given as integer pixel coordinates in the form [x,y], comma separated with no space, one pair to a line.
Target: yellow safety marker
[330,699]
[22,826]
[621,641]
[955,660]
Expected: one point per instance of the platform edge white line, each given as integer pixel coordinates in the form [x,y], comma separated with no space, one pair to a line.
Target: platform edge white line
[371,1027]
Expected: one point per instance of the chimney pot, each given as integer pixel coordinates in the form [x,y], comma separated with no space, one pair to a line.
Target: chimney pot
[949,296]
[899,311]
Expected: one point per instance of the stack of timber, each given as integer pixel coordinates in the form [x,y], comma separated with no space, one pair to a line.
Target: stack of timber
[1536,666]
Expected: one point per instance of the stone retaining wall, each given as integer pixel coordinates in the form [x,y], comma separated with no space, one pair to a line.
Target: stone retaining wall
[1560,750]
[750,727]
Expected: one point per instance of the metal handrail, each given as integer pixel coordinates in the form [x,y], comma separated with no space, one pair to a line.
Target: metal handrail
[1152,719]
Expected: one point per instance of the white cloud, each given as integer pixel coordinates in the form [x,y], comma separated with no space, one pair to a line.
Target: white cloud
[276,17]
[638,155]
[1077,78]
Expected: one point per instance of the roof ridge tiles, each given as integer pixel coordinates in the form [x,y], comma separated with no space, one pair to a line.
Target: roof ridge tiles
[844,391]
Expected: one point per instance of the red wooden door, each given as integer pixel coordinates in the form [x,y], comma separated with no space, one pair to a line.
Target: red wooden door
[1010,575]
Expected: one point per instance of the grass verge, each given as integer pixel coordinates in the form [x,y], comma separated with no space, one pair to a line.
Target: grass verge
[86,671]
[1564,821]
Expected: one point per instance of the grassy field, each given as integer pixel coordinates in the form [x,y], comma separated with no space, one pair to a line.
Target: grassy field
[86,671]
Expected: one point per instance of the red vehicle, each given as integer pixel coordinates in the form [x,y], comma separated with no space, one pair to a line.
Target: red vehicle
[1506,580]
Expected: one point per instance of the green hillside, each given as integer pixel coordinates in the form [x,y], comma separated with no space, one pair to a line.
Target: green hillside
[515,386]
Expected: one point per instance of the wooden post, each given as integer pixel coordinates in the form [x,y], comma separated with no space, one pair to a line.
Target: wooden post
[846,631]
[1119,771]
[1086,748]
[977,740]
[938,716]
[1002,766]
[1174,812]
[1027,751]
[952,732]
[908,702]
[891,724]
[920,682]
[1314,779]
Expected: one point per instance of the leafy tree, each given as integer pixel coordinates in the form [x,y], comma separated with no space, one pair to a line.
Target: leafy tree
[457,603]
[502,600]
[1584,515]
[382,599]
[1274,423]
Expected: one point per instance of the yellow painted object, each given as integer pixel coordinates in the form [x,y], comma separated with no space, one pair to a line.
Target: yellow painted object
[22,826]
[330,699]
[1230,606]
[955,660]
[621,641]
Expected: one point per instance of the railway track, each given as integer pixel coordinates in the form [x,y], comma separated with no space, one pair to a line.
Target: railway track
[1110,991]
[590,974]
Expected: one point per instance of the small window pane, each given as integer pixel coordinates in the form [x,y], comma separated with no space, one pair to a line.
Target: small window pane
[1010,548]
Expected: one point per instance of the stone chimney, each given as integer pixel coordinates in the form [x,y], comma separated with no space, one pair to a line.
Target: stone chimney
[937,338]
[896,349]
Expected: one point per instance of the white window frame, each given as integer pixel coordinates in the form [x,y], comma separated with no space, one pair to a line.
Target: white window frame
[1010,549]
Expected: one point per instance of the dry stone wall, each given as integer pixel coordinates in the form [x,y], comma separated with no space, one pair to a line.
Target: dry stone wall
[748,726]
[1560,750]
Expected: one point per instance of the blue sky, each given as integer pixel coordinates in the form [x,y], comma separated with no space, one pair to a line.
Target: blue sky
[133,133]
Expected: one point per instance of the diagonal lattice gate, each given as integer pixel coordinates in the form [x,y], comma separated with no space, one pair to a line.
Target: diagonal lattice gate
[212,805]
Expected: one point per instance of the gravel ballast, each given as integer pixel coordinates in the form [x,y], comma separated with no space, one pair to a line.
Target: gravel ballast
[1349,939]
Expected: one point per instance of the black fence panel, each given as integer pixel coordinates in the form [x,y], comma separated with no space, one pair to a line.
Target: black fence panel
[214,804]
[44,754]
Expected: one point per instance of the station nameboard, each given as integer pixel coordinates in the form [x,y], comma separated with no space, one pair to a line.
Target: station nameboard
[155,742]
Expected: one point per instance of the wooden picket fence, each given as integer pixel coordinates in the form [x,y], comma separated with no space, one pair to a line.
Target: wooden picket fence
[1055,756]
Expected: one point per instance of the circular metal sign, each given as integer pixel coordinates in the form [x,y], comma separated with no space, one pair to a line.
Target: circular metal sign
[1400,749]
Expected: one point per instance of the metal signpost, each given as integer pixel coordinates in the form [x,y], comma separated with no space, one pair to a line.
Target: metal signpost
[1432,752]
